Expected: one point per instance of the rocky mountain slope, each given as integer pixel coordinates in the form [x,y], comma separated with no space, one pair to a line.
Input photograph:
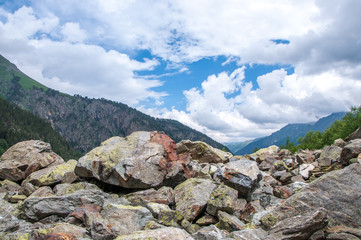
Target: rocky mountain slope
[145,186]
[291,131]
[85,122]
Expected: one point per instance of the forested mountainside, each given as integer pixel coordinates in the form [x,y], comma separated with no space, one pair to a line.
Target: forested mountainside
[18,125]
[82,121]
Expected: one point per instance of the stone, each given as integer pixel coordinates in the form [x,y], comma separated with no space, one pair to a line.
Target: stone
[44,191]
[329,155]
[271,150]
[305,169]
[266,164]
[351,150]
[140,160]
[283,192]
[164,214]
[355,135]
[301,226]
[207,220]
[168,233]
[36,208]
[209,233]
[242,175]
[62,173]
[223,198]
[115,220]
[16,198]
[7,186]
[305,157]
[20,160]
[61,231]
[67,188]
[202,152]
[189,227]
[192,196]
[337,192]
[250,209]
[297,186]
[164,195]
[27,189]
[229,222]
[249,234]
[339,143]
[343,231]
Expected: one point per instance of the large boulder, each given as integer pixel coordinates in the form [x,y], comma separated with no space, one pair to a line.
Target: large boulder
[24,158]
[191,196]
[140,160]
[62,173]
[223,198]
[242,175]
[168,233]
[351,150]
[338,192]
[202,152]
[329,155]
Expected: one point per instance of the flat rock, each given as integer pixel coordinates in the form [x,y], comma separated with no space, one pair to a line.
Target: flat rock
[62,173]
[140,160]
[202,152]
[168,233]
[192,196]
[26,157]
[242,175]
[338,192]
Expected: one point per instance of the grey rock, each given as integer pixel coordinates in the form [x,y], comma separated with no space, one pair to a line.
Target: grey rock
[169,233]
[223,198]
[249,234]
[351,150]
[229,222]
[209,233]
[329,155]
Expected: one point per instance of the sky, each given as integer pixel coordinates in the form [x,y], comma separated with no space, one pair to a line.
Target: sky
[232,69]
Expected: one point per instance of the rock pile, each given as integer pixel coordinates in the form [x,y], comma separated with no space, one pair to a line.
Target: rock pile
[144,186]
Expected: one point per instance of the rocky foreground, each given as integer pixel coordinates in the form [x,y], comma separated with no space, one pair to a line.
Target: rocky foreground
[145,186]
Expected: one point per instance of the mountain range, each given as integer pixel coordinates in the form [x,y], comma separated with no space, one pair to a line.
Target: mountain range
[290,131]
[82,121]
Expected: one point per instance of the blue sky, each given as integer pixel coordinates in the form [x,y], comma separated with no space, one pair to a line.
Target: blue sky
[234,70]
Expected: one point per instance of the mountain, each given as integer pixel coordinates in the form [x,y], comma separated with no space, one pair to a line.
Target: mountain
[18,125]
[82,121]
[293,131]
[237,146]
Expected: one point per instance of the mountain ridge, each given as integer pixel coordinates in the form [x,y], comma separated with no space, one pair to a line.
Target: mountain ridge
[82,121]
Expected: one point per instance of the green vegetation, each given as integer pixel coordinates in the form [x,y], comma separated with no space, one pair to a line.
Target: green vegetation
[339,129]
[18,125]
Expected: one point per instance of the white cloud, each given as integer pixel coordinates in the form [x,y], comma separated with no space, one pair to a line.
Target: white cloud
[73,33]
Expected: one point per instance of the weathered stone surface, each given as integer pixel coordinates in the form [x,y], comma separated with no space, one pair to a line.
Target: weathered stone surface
[67,188]
[164,214]
[26,157]
[115,220]
[229,222]
[60,231]
[27,189]
[210,233]
[305,170]
[305,157]
[351,150]
[249,234]
[301,226]
[271,150]
[189,227]
[36,208]
[62,173]
[140,160]
[223,198]
[329,155]
[267,163]
[338,192]
[344,233]
[169,233]
[192,196]
[207,220]
[202,152]
[355,135]
[164,195]
[7,186]
[242,175]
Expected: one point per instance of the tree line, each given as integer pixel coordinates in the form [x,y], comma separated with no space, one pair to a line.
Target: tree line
[339,129]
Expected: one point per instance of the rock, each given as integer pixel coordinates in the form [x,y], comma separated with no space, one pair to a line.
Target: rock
[242,175]
[20,160]
[62,173]
[305,157]
[44,191]
[7,186]
[17,198]
[297,186]
[164,214]
[351,150]
[267,163]
[337,192]
[27,189]
[355,135]
[67,188]
[192,196]
[249,234]
[271,150]
[229,222]
[344,233]
[140,160]
[164,195]
[223,198]
[283,192]
[115,220]
[207,220]
[329,155]
[300,227]
[169,233]
[61,231]
[250,209]
[210,233]
[339,143]
[305,170]
[202,152]
[189,227]
[36,208]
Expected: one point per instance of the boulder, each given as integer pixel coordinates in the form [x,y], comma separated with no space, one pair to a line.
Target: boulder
[305,157]
[242,175]
[202,152]
[329,155]
[351,150]
[249,234]
[140,160]
[61,231]
[24,158]
[62,173]
[338,192]
[223,198]
[305,170]
[67,188]
[229,222]
[355,135]
[192,196]
[36,208]
[164,214]
[209,233]
[168,233]
[164,195]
